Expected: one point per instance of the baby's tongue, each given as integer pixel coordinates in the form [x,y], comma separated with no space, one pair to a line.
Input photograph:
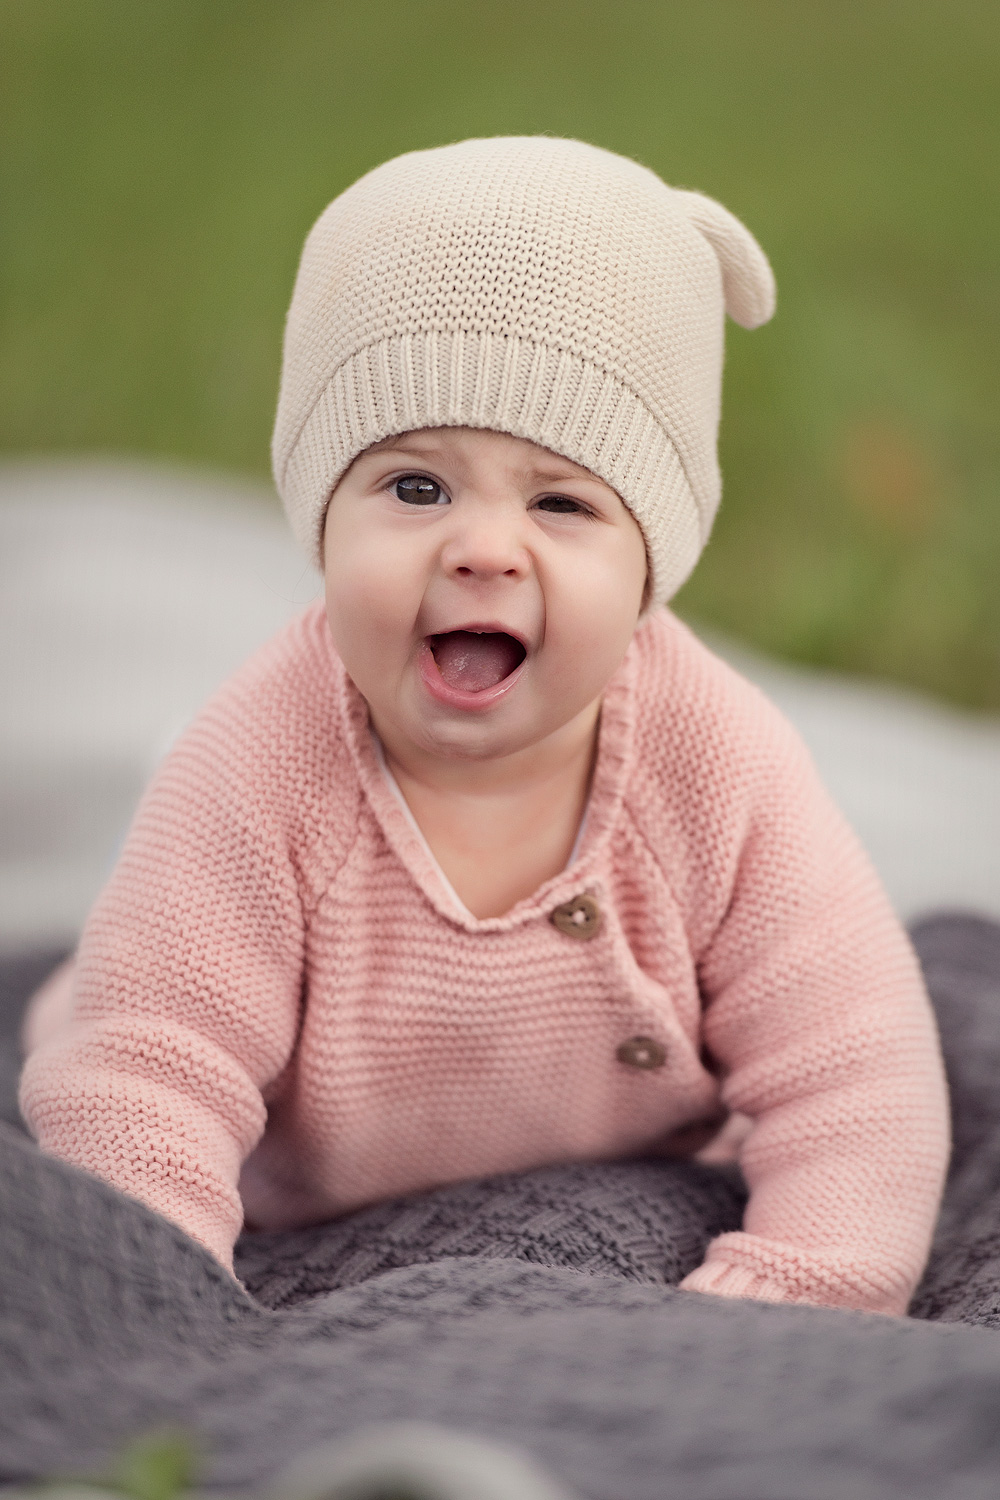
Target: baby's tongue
[472,661]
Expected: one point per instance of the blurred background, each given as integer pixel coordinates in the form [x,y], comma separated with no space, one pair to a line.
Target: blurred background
[162,162]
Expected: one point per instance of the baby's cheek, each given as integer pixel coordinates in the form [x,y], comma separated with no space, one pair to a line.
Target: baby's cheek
[587,651]
[361,611]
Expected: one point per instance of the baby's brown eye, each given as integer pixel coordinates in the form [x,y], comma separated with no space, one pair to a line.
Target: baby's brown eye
[417,489]
[561,504]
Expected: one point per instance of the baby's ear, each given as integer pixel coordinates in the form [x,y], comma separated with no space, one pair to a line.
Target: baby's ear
[747,278]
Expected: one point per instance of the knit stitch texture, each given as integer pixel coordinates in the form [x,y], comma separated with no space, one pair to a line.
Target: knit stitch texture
[539,287]
[276,977]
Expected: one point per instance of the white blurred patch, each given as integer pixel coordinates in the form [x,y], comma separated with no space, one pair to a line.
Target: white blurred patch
[127,594]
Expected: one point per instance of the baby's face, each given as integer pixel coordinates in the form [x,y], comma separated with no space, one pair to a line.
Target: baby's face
[480,590]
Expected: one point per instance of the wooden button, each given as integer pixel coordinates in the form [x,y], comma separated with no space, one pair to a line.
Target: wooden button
[579,918]
[642,1052]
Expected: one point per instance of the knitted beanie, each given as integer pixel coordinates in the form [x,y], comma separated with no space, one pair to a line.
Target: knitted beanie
[539,287]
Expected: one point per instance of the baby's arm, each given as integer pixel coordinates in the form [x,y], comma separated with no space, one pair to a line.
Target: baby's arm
[818,1018]
[186,995]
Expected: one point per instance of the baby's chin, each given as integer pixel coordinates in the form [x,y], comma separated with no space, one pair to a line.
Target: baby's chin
[514,726]
[450,738]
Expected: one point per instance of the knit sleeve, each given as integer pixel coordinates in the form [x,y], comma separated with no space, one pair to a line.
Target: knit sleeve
[187,990]
[818,1020]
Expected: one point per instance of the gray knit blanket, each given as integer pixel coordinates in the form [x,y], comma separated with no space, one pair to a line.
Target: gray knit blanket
[534,1311]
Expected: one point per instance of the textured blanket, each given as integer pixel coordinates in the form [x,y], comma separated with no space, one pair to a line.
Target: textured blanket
[537,1311]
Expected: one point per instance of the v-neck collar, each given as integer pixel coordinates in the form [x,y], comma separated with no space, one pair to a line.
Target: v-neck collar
[615,749]
[408,814]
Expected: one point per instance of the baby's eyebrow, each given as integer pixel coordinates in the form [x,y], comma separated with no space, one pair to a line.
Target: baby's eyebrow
[405,446]
[553,474]
[416,441]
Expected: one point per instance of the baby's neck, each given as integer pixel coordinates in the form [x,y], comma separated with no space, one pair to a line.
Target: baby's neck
[500,828]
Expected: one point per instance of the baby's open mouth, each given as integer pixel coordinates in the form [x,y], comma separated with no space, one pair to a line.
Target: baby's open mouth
[473,660]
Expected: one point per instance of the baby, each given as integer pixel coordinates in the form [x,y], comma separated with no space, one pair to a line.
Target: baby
[489,863]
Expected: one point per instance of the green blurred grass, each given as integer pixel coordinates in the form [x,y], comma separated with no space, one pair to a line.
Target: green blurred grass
[163,161]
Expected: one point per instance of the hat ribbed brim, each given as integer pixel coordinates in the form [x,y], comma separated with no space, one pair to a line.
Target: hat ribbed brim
[552,397]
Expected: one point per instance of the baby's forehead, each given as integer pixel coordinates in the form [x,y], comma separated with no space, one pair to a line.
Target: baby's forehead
[430,442]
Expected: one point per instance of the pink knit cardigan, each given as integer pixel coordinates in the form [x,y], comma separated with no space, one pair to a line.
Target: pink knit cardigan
[282,1010]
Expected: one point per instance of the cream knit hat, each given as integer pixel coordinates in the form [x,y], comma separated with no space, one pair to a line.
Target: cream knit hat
[540,287]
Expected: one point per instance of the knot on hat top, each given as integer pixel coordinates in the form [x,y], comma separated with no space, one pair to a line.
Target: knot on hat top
[540,287]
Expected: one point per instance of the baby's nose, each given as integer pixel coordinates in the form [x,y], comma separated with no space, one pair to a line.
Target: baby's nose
[488,548]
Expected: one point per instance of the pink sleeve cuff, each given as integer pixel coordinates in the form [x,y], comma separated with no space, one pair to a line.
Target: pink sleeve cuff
[746,1265]
[724,1280]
